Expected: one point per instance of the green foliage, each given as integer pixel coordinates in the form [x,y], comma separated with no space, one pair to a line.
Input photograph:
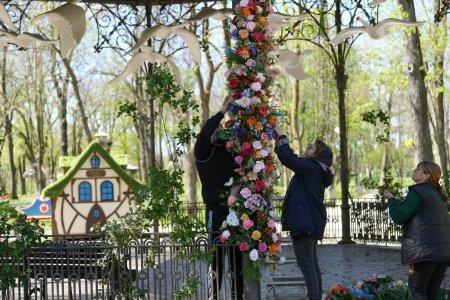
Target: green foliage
[388,184]
[375,117]
[26,233]
[189,287]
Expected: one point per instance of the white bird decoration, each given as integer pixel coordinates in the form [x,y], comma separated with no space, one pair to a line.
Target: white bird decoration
[276,19]
[292,62]
[70,21]
[164,31]
[375,32]
[209,12]
[4,16]
[146,55]
[376,2]
[23,40]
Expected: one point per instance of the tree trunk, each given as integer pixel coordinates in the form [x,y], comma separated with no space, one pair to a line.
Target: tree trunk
[385,165]
[295,118]
[12,166]
[22,169]
[438,92]
[76,90]
[418,93]
[61,93]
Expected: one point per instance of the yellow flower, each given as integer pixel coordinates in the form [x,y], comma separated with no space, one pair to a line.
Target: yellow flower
[256,235]
[244,217]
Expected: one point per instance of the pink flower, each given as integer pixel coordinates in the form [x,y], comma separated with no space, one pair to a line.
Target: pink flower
[256,86]
[245,192]
[229,144]
[269,8]
[246,146]
[250,63]
[238,159]
[247,224]
[259,37]
[262,247]
[275,237]
[243,246]
[257,145]
[231,200]
[234,191]
[271,223]
[243,3]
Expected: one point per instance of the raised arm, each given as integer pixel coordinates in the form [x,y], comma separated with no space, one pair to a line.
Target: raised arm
[203,147]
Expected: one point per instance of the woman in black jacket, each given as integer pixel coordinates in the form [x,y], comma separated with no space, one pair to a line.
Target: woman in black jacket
[426,230]
[304,213]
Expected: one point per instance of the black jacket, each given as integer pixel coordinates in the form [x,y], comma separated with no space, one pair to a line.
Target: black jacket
[303,208]
[215,166]
[426,236]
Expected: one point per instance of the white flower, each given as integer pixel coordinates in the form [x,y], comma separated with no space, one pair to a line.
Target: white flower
[261,77]
[250,26]
[243,102]
[243,3]
[232,218]
[257,145]
[229,182]
[254,255]
[256,100]
[282,260]
[227,73]
[226,234]
[259,165]
[275,237]
[264,152]
[256,86]
[272,214]
[259,9]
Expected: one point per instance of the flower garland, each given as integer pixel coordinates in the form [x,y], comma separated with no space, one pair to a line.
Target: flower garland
[250,222]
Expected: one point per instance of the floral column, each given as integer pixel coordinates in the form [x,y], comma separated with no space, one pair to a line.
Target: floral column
[250,222]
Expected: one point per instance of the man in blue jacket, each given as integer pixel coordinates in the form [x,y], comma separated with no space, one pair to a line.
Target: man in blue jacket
[304,213]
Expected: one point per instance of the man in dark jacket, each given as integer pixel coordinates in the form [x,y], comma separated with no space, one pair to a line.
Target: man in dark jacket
[215,167]
[304,213]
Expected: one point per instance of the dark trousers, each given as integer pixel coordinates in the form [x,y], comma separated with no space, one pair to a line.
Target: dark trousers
[305,249]
[425,278]
[214,221]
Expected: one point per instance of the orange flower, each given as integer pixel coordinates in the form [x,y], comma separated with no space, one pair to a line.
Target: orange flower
[264,137]
[273,248]
[244,217]
[272,120]
[251,121]
[259,126]
[245,54]
[245,11]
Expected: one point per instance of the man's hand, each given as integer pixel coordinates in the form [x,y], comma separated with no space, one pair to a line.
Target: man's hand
[387,194]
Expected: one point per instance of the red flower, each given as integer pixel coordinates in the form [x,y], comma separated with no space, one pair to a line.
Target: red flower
[268,169]
[260,185]
[246,145]
[262,110]
[229,123]
[258,93]
[234,82]
[237,95]
[259,37]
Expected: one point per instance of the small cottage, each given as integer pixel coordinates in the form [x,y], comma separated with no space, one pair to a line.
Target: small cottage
[95,188]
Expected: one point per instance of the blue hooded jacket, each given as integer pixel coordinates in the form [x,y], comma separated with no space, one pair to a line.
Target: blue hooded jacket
[303,208]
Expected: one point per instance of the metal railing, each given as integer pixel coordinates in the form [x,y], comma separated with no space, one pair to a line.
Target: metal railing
[153,268]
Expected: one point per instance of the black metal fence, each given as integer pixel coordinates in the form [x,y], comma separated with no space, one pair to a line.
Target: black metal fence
[151,268]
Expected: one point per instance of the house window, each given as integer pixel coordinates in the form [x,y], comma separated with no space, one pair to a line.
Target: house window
[95,162]
[85,191]
[107,191]
[96,214]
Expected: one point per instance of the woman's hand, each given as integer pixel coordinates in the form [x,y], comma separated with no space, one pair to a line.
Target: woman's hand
[278,132]
[387,194]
